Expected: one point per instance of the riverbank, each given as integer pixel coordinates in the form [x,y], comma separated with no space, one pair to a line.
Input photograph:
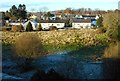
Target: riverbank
[86,48]
[60,40]
[74,67]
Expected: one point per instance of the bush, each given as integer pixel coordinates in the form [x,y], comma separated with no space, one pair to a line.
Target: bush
[27,47]
[86,26]
[18,28]
[112,51]
[6,28]
[101,30]
[99,22]
[14,29]
[39,28]
[32,46]
[29,27]
[111,22]
[103,38]
[53,28]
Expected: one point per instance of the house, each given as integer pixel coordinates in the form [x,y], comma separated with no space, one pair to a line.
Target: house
[93,18]
[33,22]
[33,17]
[16,22]
[47,23]
[89,16]
[81,23]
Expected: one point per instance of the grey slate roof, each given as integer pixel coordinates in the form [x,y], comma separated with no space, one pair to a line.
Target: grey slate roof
[53,21]
[81,20]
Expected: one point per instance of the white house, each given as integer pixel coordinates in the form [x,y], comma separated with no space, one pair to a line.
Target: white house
[33,17]
[81,23]
[34,24]
[47,23]
[15,23]
[89,16]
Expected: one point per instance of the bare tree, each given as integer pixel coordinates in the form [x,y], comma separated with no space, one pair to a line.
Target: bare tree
[40,12]
[44,9]
[33,10]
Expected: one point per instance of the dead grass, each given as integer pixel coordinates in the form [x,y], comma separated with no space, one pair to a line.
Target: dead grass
[112,51]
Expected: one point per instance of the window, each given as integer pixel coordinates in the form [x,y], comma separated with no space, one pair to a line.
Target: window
[58,24]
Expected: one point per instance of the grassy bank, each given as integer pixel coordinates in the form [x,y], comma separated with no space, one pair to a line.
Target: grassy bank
[61,40]
[85,44]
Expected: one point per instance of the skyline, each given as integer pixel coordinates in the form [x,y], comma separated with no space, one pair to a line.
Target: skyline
[52,5]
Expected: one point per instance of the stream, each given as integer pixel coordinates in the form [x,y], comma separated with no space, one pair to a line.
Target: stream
[71,67]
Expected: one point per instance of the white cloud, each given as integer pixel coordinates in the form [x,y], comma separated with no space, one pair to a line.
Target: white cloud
[29,1]
[53,4]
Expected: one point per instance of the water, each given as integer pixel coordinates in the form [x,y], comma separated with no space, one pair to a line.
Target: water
[71,67]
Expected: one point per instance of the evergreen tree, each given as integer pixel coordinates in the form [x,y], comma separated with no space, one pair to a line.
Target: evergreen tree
[13,10]
[39,27]
[17,13]
[22,14]
[7,15]
[48,14]
[13,13]
[99,22]
[29,27]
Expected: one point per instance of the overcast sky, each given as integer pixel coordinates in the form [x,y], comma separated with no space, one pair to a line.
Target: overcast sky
[60,4]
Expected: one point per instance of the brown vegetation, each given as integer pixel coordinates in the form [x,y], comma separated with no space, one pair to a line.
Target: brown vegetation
[112,51]
[28,46]
[18,28]
[111,22]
